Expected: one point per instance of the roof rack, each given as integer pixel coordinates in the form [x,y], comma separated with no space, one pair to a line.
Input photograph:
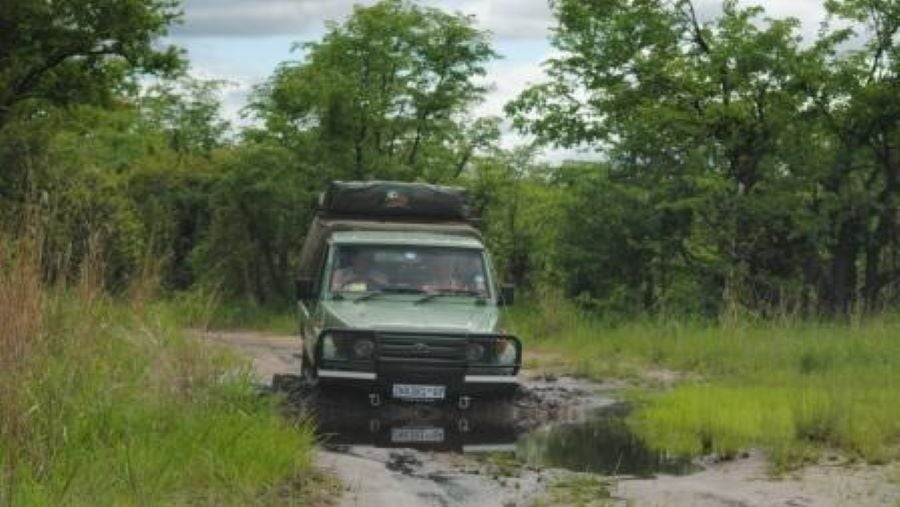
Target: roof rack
[394,200]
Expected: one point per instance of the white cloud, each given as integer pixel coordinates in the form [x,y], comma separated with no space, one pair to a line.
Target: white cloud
[511,19]
[259,18]
[810,13]
[507,80]
[264,18]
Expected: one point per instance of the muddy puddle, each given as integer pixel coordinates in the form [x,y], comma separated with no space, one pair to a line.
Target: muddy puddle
[548,425]
[602,444]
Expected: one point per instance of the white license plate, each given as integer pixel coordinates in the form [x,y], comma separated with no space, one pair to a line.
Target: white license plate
[419,392]
[417,435]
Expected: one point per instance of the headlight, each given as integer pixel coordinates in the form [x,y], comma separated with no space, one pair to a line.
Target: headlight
[505,351]
[499,351]
[329,348]
[345,346]
[362,349]
[475,352]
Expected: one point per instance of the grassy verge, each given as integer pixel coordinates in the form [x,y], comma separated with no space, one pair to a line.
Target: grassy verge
[204,309]
[792,388]
[577,491]
[107,403]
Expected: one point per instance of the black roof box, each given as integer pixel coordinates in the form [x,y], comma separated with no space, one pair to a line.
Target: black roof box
[392,199]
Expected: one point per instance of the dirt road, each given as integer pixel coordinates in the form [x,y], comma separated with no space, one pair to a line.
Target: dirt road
[545,446]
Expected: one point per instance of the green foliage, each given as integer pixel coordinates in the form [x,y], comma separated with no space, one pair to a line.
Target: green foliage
[763,167]
[106,181]
[260,206]
[384,94]
[520,215]
[585,490]
[80,52]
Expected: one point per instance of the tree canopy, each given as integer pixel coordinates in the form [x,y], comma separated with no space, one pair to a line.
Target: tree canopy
[64,51]
[384,94]
[764,149]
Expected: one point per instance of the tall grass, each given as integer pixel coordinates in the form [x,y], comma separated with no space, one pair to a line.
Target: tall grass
[792,387]
[203,308]
[103,403]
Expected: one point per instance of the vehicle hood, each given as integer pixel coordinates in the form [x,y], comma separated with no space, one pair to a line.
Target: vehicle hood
[404,315]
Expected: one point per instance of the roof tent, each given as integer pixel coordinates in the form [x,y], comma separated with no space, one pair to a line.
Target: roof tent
[385,206]
[389,199]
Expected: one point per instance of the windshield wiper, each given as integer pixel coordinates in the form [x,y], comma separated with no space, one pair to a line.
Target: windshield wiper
[451,292]
[389,290]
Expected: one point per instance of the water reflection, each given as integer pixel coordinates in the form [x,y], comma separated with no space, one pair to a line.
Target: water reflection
[603,444]
[599,442]
[486,427]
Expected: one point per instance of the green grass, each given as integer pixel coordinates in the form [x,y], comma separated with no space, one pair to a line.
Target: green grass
[792,388]
[113,405]
[204,309]
[580,490]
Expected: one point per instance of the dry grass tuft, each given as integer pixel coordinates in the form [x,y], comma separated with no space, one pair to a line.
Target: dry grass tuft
[21,301]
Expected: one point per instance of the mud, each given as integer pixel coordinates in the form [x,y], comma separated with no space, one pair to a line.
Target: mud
[510,453]
[401,454]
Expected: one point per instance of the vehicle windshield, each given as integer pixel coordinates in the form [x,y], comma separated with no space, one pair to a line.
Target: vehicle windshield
[409,269]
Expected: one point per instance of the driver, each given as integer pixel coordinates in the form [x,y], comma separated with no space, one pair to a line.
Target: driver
[358,273]
[449,273]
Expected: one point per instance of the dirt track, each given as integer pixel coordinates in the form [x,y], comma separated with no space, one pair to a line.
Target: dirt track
[375,474]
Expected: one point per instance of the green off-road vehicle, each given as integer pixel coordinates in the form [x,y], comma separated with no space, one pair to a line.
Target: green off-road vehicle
[397,297]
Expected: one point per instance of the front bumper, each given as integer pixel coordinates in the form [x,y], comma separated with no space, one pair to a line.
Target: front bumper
[422,359]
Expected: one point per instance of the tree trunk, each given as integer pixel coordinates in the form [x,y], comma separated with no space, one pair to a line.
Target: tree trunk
[842,289]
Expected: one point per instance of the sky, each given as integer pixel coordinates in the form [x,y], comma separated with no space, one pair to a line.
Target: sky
[242,41]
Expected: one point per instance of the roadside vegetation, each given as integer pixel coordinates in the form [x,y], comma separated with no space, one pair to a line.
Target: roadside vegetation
[108,402]
[796,388]
[577,491]
[204,308]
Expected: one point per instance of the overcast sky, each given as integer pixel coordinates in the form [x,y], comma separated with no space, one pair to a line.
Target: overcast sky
[242,41]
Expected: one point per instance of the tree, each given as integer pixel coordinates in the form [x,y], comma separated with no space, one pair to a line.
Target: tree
[384,94]
[188,111]
[65,51]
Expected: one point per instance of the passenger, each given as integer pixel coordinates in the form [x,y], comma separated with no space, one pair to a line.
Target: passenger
[453,273]
[470,269]
[358,274]
[439,274]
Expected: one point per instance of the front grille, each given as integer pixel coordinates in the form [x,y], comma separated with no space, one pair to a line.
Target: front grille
[431,350]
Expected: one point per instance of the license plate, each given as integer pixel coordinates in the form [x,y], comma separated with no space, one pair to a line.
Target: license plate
[417,435]
[419,392]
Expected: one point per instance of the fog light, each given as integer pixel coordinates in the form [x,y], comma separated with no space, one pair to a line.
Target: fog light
[362,349]
[474,352]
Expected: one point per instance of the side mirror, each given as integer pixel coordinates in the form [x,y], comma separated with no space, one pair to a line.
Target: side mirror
[306,289]
[507,294]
